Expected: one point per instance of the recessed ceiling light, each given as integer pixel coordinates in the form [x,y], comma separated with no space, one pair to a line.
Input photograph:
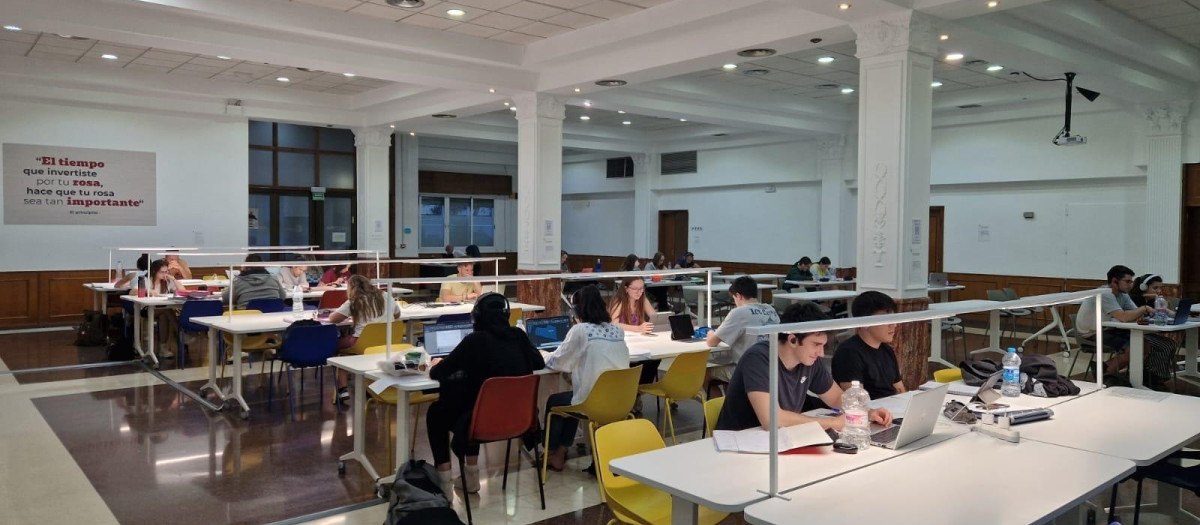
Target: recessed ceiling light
[729,67]
[513,108]
[825,60]
[993,3]
[587,103]
[349,75]
[393,126]
[507,104]
[756,53]
[444,115]
[935,84]
[584,117]
[608,83]
[491,90]
[577,90]
[407,4]
[283,79]
[455,12]
[222,57]
[843,7]
[108,56]
[621,112]
[626,123]
[12,28]
[995,67]
[943,37]
[683,120]
[847,91]
[412,133]
[954,56]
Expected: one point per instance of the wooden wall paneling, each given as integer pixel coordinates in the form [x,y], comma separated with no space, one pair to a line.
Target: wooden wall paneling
[20,305]
[61,296]
[463,183]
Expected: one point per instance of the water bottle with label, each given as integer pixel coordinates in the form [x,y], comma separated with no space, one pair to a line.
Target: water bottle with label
[297,299]
[855,406]
[1160,310]
[599,266]
[1012,374]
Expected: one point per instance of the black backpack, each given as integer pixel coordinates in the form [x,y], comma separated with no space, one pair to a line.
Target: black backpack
[93,331]
[416,497]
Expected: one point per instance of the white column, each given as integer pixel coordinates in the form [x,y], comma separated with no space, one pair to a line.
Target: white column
[833,189]
[539,180]
[894,128]
[407,205]
[373,161]
[647,170]
[1164,187]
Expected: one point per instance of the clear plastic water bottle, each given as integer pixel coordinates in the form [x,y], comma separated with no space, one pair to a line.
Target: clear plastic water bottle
[1160,310]
[120,271]
[297,300]
[521,324]
[1012,374]
[855,403]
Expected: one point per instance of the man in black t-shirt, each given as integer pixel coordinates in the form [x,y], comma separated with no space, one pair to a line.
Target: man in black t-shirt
[868,356]
[748,402]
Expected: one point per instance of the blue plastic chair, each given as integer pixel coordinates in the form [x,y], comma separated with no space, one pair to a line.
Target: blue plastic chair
[198,308]
[267,305]
[303,347]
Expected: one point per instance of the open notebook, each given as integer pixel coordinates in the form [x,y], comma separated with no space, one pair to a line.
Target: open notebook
[758,441]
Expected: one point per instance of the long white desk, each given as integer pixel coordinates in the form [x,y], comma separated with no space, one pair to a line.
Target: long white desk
[774,278]
[944,291]
[1137,347]
[150,303]
[832,283]
[100,293]
[821,295]
[959,481]
[935,332]
[702,289]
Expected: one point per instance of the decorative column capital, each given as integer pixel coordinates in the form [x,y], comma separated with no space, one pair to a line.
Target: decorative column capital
[1165,118]
[372,136]
[639,162]
[539,105]
[830,148]
[908,31]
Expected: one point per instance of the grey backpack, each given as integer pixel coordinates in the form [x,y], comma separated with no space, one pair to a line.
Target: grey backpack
[416,497]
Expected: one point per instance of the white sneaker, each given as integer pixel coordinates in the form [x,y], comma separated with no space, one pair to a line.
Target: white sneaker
[472,479]
[446,483]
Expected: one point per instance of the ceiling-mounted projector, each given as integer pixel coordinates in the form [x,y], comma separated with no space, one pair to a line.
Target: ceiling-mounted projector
[1064,136]
[1070,140]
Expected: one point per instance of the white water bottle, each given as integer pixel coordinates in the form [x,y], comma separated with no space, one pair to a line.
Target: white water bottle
[120,271]
[855,406]
[297,300]
[1160,310]
[521,324]
[1012,374]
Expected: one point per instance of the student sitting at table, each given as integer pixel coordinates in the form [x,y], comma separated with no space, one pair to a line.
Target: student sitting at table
[562,262]
[161,282]
[687,261]
[798,272]
[337,276]
[823,269]
[130,278]
[178,267]
[254,282]
[658,294]
[473,251]
[748,312]
[1146,290]
[630,310]
[494,349]
[364,305]
[458,292]
[591,347]
[630,264]
[748,402]
[868,357]
[1118,306]
[290,276]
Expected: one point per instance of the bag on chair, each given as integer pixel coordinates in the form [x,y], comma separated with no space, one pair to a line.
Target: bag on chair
[416,497]
[93,331]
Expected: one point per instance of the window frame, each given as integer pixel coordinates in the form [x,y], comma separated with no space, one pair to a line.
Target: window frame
[498,201]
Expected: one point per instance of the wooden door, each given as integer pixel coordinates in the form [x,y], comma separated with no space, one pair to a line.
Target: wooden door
[937,223]
[672,233]
[1189,264]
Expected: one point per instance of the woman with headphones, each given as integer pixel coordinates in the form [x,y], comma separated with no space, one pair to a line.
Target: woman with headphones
[1146,289]
[1160,352]
[494,349]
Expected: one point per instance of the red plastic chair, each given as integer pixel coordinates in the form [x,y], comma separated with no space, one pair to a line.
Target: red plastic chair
[332,299]
[506,409]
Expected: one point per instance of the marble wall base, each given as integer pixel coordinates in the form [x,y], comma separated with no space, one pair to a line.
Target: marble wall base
[542,292]
[912,344]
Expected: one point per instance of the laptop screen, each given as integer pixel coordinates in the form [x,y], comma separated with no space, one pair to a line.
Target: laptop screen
[547,332]
[441,339]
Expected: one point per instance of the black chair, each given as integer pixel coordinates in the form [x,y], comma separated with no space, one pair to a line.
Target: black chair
[1168,470]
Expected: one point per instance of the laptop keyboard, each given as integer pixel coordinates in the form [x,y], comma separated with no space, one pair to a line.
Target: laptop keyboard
[886,436]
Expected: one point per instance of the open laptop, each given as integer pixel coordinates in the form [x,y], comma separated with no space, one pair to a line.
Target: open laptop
[442,338]
[938,279]
[1182,311]
[682,329]
[920,417]
[547,333]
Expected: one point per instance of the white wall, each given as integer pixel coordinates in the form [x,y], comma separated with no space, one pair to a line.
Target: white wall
[202,170]
[597,212]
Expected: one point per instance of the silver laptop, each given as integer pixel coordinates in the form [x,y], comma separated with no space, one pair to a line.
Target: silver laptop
[920,417]
[662,321]
[938,279]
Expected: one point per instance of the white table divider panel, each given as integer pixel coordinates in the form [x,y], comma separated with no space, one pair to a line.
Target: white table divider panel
[889,491]
[944,291]
[1137,345]
[772,331]
[832,283]
[758,277]
[818,296]
[707,287]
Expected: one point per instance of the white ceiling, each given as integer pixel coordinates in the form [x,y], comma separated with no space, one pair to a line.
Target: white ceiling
[1178,18]
[65,48]
[512,21]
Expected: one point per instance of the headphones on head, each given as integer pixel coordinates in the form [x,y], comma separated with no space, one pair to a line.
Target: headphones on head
[1146,279]
[490,301]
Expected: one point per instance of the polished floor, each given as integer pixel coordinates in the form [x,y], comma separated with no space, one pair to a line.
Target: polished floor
[116,445]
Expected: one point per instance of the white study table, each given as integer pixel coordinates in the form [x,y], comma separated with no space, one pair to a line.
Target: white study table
[100,293]
[158,301]
[1137,347]
[822,295]
[944,291]
[367,366]
[696,474]
[946,484]
[702,289]
[935,332]
[758,277]
[831,283]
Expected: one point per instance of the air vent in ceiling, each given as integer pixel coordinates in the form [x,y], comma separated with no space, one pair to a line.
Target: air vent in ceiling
[620,168]
[976,62]
[678,162]
[756,53]
[826,86]
[756,72]
[969,106]
[443,115]
[719,134]
[611,83]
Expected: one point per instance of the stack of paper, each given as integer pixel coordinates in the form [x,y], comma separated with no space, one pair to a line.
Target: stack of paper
[758,441]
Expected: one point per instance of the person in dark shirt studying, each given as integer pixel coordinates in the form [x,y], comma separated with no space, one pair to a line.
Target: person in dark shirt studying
[748,402]
[868,356]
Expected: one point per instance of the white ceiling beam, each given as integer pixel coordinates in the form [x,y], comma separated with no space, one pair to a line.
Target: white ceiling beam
[414,110]
[718,111]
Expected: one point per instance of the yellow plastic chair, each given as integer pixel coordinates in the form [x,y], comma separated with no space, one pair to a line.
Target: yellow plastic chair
[375,334]
[261,343]
[630,501]
[514,315]
[682,381]
[712,411]
[947,375]
[610,400]
[388,397]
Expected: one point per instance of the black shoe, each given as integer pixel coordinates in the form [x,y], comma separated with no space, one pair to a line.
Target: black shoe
[591,470]
[343,396]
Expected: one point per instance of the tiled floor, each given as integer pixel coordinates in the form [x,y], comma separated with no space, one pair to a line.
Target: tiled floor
[117,446]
